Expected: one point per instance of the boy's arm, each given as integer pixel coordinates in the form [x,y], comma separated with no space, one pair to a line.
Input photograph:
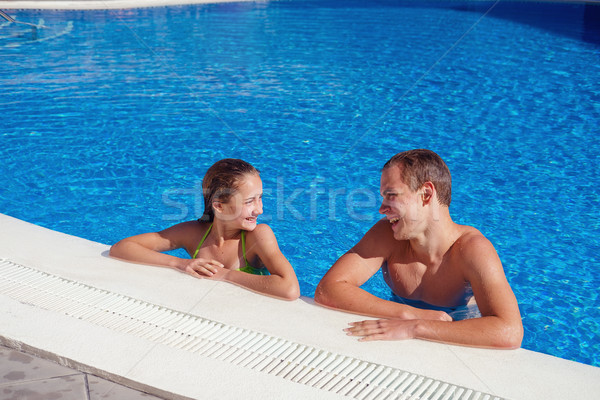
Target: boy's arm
[499,327]
[340,287]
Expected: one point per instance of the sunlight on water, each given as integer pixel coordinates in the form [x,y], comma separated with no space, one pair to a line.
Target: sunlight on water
[108,128]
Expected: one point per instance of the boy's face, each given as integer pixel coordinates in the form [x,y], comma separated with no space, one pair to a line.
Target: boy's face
[400,205]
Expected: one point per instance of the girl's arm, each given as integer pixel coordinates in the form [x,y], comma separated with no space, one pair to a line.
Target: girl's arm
[281,282]
[148,248]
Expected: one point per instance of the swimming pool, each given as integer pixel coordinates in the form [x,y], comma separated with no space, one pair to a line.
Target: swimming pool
[110,119]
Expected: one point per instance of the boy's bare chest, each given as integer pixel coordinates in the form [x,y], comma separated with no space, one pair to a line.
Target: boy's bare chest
[442,284]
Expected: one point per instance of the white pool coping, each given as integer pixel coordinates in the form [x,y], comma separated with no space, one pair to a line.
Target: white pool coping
[173,373]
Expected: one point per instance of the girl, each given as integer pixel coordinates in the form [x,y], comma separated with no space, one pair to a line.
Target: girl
[226,243]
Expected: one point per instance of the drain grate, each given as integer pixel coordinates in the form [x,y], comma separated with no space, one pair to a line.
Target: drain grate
[292,361]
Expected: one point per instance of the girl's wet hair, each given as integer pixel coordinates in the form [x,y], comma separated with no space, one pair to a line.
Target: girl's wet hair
[421,165]
[221,181]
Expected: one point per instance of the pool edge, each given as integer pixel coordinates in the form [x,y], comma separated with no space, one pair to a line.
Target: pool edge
[518,374]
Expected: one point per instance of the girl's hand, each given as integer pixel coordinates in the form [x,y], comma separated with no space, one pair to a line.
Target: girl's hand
[203,268]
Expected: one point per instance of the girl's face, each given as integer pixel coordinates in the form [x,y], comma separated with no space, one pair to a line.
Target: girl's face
[245,205]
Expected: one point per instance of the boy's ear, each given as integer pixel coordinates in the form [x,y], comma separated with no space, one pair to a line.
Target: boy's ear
[427,192]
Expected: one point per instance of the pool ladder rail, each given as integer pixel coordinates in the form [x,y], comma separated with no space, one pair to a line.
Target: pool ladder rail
[34,27]
[34,31]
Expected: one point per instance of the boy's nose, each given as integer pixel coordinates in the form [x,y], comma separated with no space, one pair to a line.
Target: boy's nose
[383,208]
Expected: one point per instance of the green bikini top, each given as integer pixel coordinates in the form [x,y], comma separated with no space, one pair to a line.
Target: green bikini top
[247,267]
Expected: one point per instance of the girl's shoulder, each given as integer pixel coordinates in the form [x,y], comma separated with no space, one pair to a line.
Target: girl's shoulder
[262,232]
[186,230]
[194,225]
[261,240]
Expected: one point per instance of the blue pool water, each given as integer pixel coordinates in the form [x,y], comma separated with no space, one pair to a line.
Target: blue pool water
[109,120]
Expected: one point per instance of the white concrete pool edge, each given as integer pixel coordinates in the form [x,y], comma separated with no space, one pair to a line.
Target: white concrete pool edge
[173,373]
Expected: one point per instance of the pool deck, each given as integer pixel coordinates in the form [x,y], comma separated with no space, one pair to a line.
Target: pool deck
[25,377]
[41,269]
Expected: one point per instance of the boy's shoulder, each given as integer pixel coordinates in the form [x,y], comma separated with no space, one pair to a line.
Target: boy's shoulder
[473,250]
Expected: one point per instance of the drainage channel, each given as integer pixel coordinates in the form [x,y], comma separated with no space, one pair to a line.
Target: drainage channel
[246,348]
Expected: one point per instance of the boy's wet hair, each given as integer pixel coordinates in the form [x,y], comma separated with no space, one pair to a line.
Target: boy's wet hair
[421,165]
